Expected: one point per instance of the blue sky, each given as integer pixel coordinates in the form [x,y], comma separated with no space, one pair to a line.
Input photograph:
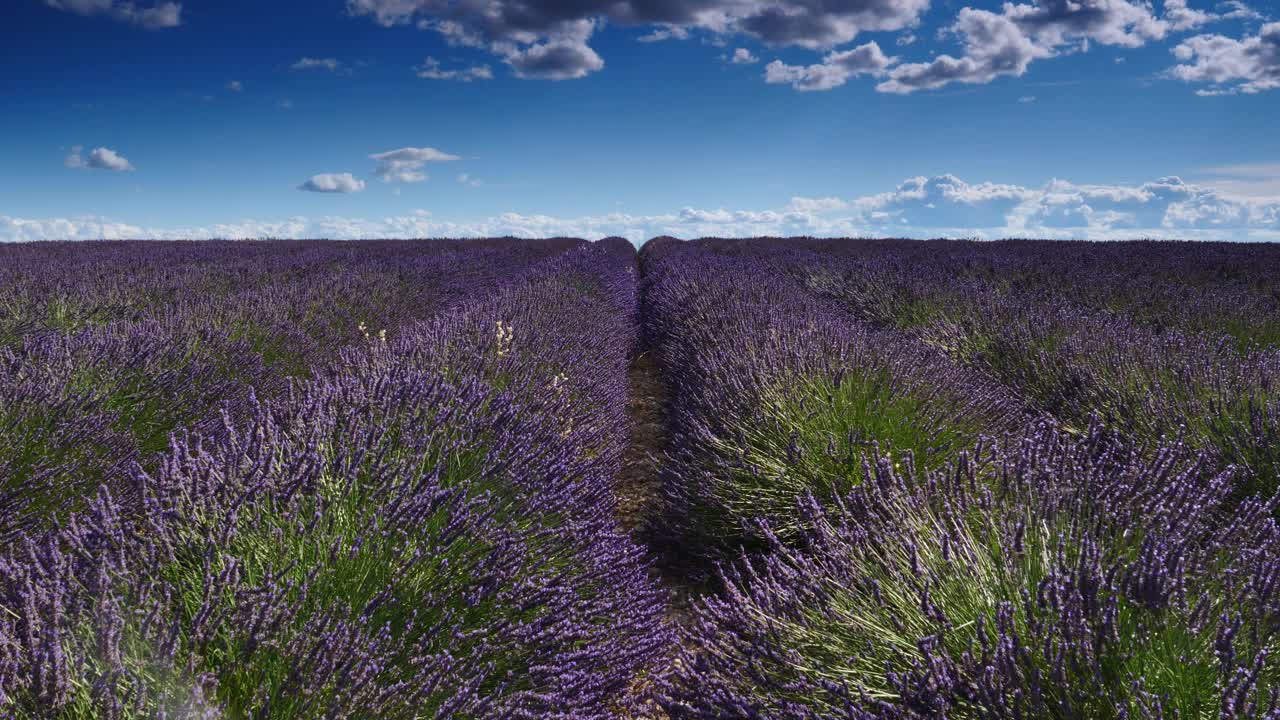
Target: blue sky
[1093,118]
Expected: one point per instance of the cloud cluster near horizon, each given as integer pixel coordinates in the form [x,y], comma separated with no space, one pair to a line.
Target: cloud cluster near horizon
[1237,205]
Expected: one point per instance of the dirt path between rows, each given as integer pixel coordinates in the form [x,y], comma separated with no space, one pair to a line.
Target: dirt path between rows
[640,487]
[640,483]
[640,492]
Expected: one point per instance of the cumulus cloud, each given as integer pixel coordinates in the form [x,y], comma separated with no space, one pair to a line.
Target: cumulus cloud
[1005,43]
[430,69]
[556,60]
[332,65]
[98,159]
[939,206]
[816,24]
[944,201]
[994,45]
[154,17]
[1182,17]
[235,86]
[668,32]
[1126,23]
[550,39]
[1237,10]
[1248,65]
[333,183]
[835,69]
[406,164]
[465,179]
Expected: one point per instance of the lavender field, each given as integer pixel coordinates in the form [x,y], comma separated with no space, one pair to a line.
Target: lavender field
[759,478]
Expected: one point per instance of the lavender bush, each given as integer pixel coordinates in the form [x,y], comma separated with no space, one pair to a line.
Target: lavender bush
[133,341]
[777,394]
[1061,327]
[423,530]
[1108,562]
[1051,578]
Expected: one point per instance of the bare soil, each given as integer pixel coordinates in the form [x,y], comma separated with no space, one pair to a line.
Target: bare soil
[640,487]
[639,492]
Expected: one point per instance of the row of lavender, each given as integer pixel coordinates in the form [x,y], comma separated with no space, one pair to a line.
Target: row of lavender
[1222,288]
[423,527]
[775,393]
[319,290]
[105,349]
[1153,340]
[899,534]
[1131,344]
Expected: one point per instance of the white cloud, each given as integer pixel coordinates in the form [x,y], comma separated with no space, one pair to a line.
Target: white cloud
[566,59]
[430,69]
[155,17]
[668,32]
[835,69]
[1248,65]
[333,183]
[940,206]
[1055,23]
[99,159]
[405,165]
[1237,10]
[808,23]
[332,65]
[14,229]
[465,179]
[550,39]
[107,159]
[944,201]
[1005,43]
[994,45]
[1182,17]
[235,86]
[1027,99]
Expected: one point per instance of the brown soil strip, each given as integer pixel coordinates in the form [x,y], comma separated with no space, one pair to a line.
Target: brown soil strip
[640,482]
[639,486]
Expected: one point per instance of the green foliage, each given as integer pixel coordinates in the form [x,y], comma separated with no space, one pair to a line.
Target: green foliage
[812,434]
